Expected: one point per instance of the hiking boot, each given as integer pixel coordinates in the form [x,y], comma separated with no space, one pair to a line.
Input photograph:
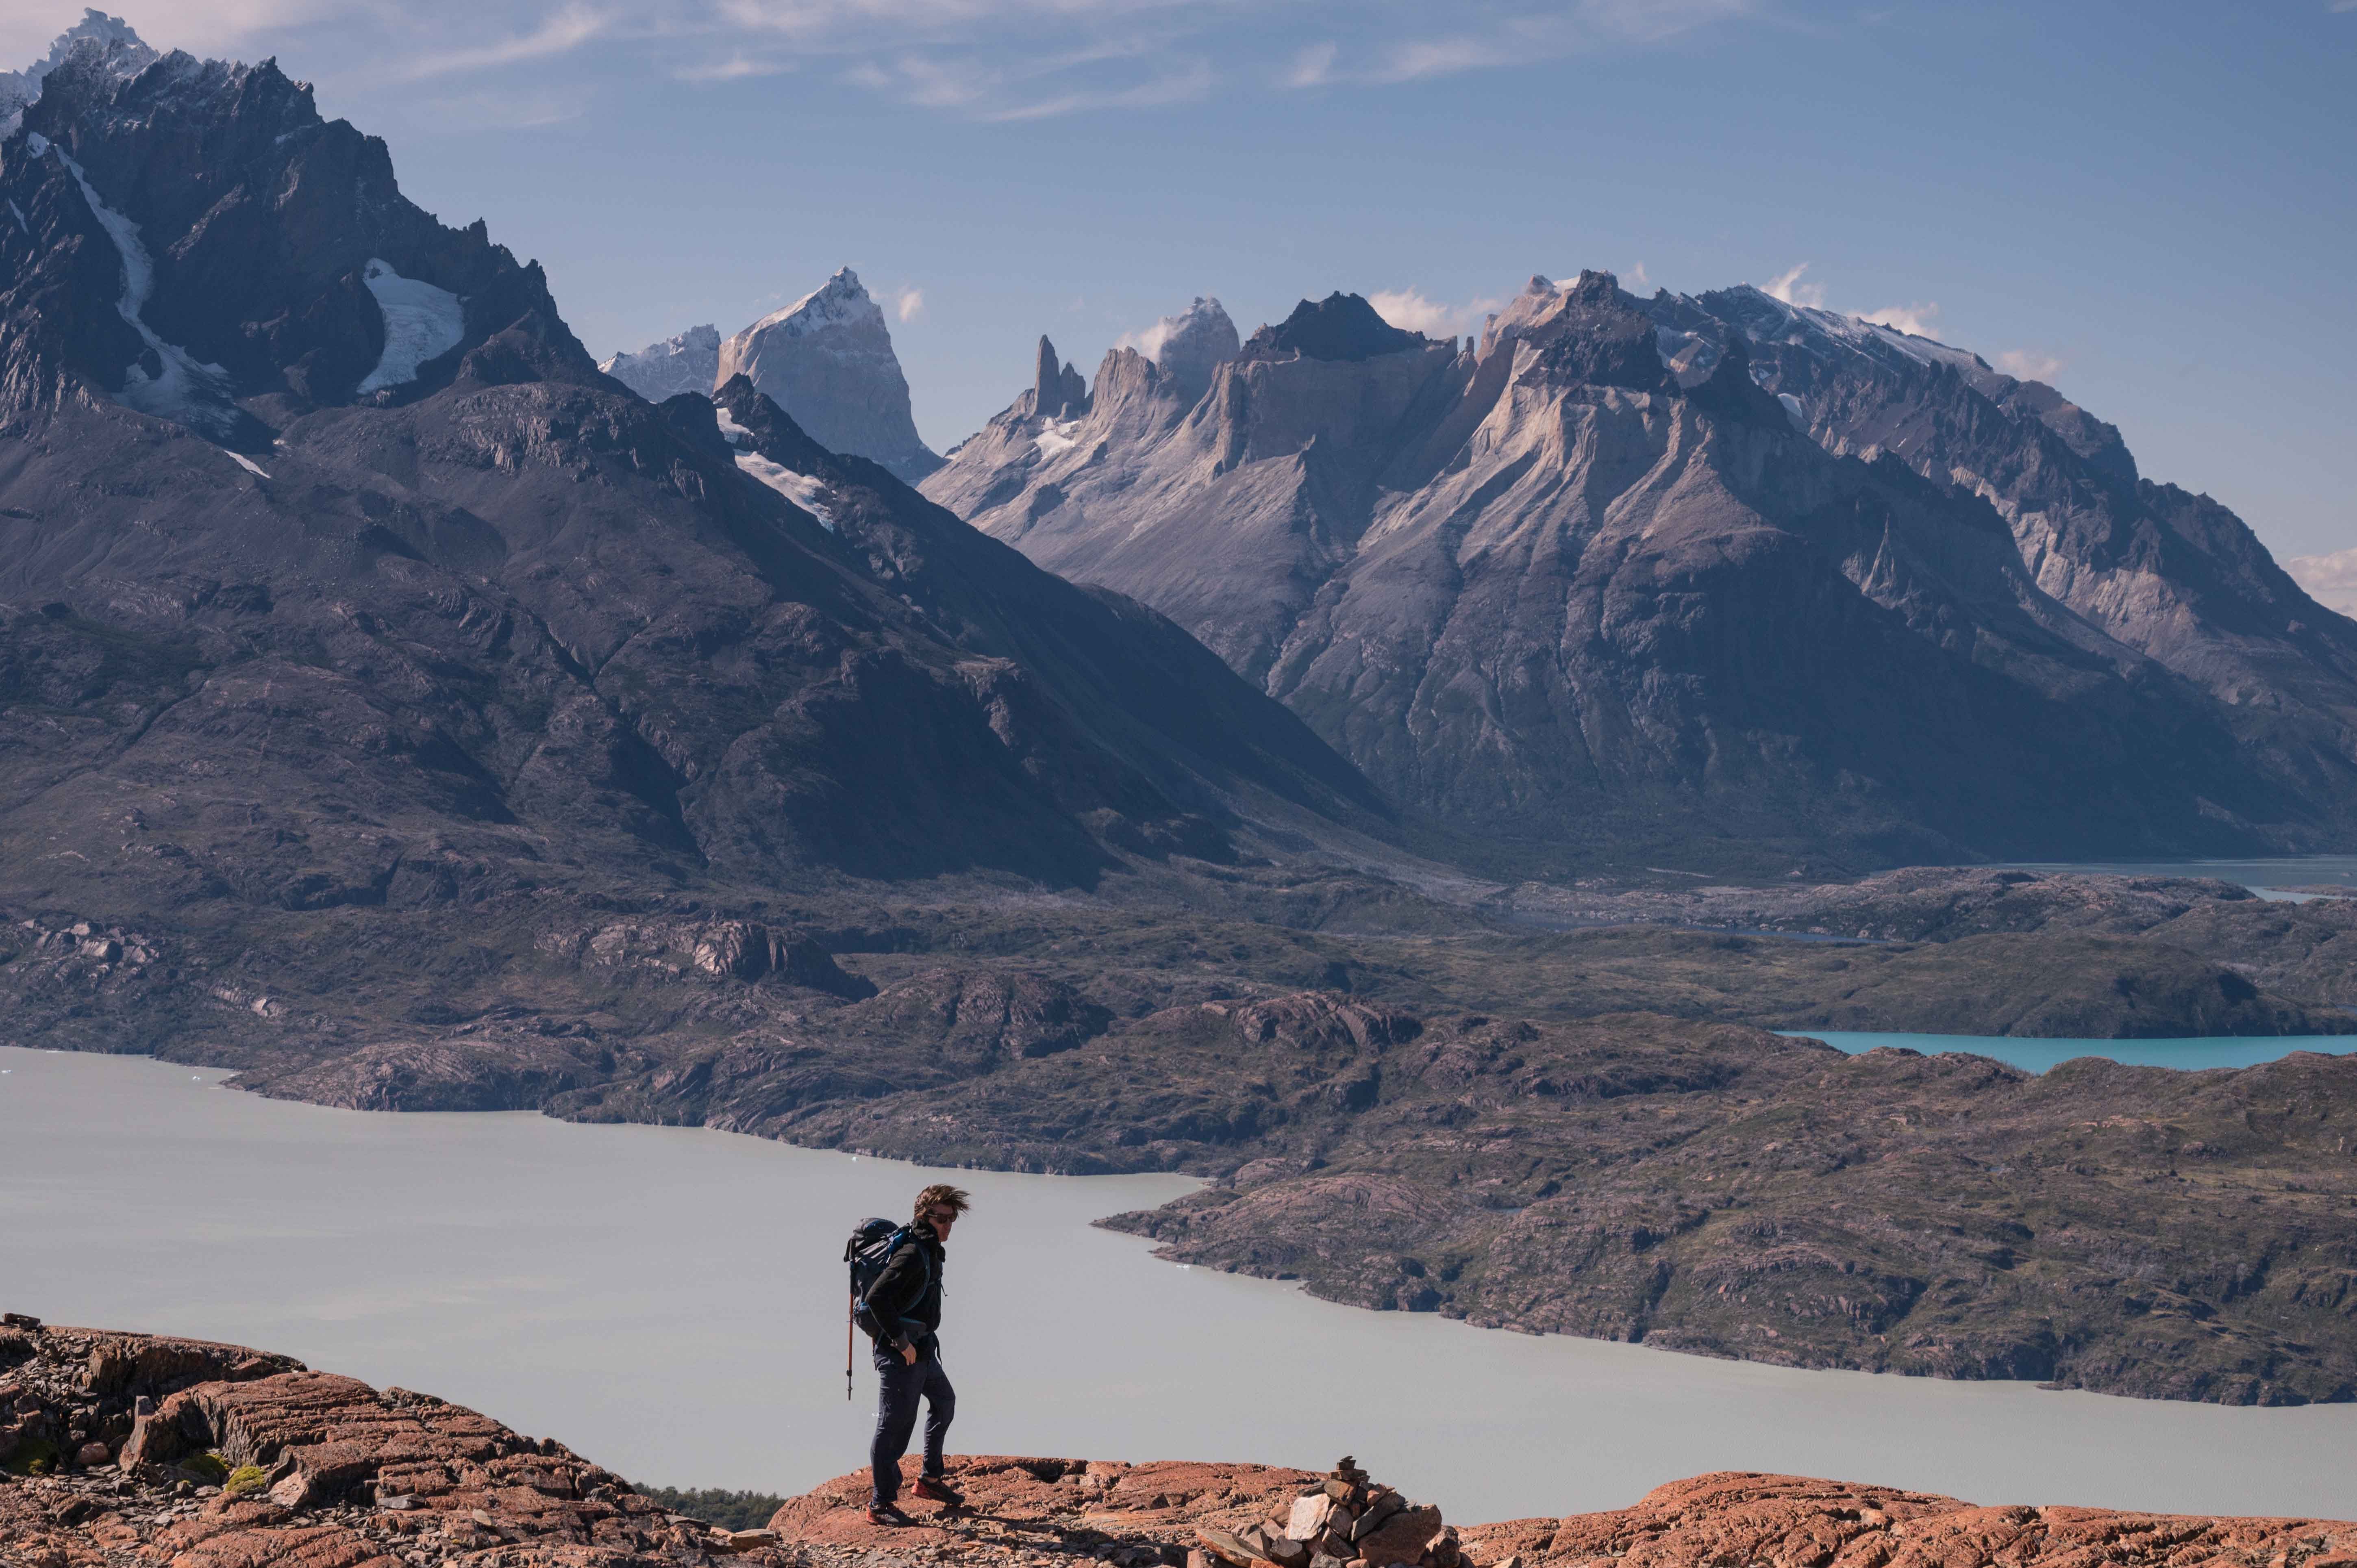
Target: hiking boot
[936,1489]
[888,1515]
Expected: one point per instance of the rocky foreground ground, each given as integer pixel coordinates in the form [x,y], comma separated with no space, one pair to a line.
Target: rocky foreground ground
[140,1450]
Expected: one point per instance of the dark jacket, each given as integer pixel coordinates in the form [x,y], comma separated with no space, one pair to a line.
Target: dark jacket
[906,1296]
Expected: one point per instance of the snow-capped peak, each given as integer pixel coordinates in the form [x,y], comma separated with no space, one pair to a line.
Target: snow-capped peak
[685,363]
[106,38]
[841,301]
[1850,332]
[827,360]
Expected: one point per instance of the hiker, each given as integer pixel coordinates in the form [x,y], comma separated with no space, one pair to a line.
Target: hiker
[905,1303]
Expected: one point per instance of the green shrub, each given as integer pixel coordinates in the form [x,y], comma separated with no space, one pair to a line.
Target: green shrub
[33,1456]
[729,1510]
[210,1468]
[246,1478]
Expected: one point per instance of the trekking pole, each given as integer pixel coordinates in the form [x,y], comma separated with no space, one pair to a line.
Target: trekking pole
[847,1312]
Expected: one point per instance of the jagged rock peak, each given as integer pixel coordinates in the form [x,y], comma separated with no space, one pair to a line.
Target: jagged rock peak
[107,42]
[689,362]
[1188,346]
[827,359]
[1339,327]
[841,301]
[138,195]
[1539,298]
[1058,389]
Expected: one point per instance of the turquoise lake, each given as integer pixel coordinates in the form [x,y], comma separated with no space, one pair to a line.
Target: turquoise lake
[2034,1055]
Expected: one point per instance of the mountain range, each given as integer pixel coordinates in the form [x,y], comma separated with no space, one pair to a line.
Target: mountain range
[338,574]
[1708,576]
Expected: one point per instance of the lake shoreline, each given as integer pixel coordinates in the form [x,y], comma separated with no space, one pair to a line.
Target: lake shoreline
[507,1259]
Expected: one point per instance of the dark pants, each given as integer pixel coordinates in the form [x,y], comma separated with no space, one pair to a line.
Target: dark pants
[899,1387]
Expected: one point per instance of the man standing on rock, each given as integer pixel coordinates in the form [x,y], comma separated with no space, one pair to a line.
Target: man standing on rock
[907,1300]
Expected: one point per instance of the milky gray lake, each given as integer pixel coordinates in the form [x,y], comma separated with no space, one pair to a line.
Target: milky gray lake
[668,1302]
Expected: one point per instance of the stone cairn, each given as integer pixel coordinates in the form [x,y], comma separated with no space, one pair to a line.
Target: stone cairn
[1347,1522]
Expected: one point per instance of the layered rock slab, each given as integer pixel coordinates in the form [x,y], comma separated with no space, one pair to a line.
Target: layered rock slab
[1736,1517]
[339,1451]
[323,1470]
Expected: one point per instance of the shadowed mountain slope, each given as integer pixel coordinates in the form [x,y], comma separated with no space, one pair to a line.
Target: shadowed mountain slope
[336,575]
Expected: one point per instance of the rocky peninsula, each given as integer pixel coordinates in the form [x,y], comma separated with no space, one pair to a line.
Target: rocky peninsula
[143,1451]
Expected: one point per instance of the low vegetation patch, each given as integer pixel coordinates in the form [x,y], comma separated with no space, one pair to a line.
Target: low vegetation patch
[210,1469]
[33,1456]
[729,1510]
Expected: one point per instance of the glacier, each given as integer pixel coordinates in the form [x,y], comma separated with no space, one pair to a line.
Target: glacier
[421,323]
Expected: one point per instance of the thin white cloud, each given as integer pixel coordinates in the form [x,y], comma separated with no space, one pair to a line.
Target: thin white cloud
[2330,580]
[1191,81]
[1147,340]
[1313,67]
[1653,21]
[1529,36]
[561,31]
[1635,279]
[2028,364]
[736,67]
[1438,56]
[909,303]
[1788,287]
[1409,310]
[1915,320]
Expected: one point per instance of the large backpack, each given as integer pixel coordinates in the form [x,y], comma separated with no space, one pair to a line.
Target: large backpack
[872,1244]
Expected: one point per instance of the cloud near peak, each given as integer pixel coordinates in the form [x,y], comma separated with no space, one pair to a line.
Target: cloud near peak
[1915,320]
[1409,310]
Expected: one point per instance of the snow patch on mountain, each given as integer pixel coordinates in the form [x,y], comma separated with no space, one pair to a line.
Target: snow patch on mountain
[108,38]
[248,464]
[421,323]
[180,388]
[800,489]
[689,362]
[1057,436]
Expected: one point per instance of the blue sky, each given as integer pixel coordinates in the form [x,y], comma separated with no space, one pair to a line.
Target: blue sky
[2154,205]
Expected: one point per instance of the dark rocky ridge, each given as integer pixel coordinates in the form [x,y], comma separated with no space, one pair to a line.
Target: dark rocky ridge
[505,625]
[1559,590]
